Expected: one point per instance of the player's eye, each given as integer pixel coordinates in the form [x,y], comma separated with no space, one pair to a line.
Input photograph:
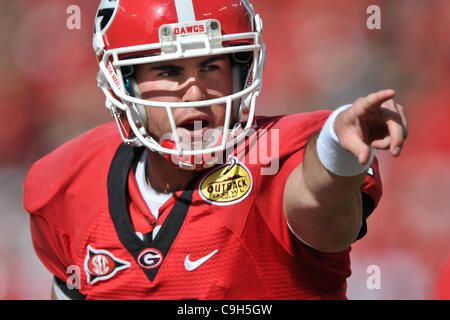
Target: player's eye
[169,73]
[210,68]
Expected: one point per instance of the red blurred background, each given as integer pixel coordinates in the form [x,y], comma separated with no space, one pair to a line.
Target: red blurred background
[320,55]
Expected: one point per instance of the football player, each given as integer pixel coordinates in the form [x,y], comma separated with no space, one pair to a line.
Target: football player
[173,200]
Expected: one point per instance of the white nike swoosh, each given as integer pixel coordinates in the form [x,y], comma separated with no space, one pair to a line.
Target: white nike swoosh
[192,265]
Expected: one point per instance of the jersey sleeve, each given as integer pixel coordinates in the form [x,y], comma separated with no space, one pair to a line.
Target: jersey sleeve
[58,192]
[51,245]
[294,133]
[371,191]
[46,198]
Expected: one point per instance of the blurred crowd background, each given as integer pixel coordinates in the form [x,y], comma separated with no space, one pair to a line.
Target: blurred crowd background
[320,55]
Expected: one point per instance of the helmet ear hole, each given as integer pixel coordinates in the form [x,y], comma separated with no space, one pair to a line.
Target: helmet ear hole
[242,62]
[127,71]
[243,57]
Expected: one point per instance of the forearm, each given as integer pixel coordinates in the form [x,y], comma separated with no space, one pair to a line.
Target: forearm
[329,193]
[323,203]
[323,209]
[322,198]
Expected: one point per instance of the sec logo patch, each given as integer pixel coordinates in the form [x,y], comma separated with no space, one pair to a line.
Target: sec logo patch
[102,265]
[226,185]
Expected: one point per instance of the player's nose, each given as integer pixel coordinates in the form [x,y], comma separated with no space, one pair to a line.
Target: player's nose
[193,91]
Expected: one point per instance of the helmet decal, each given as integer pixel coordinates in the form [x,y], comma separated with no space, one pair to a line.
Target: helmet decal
[106,11]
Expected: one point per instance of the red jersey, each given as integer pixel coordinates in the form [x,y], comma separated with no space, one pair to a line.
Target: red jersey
[442,283]
[223,237]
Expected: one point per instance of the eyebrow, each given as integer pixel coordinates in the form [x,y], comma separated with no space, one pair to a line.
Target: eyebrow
[165,67]
[211,60]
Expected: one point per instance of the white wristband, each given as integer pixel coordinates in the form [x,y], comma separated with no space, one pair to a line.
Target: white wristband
[333,157]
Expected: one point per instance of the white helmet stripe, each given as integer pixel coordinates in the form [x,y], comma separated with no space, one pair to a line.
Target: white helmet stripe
[249,7]
[185,10]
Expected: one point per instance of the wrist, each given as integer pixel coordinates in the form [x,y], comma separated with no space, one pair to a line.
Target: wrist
[333,157]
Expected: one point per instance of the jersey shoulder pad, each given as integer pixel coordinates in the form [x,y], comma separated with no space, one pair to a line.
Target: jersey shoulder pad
[289,133]
[70,173]
[298,122]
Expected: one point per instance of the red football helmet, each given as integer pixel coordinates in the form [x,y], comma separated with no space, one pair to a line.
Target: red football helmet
[132,32]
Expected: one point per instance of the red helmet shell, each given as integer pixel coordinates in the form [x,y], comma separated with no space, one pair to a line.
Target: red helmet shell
[137,22]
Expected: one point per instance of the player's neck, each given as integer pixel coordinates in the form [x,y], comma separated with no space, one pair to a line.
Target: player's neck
[163,176]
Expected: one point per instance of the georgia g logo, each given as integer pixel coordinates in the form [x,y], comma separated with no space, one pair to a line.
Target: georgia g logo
[102,265]
[150,259]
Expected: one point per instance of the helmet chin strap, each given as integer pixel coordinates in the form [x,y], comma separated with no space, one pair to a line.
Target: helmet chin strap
[191,163]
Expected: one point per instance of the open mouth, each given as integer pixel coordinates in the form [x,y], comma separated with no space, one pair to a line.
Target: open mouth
[198,134]
[195,125]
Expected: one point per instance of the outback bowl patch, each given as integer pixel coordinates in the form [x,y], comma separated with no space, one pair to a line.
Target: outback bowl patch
[226,185]
[102,265]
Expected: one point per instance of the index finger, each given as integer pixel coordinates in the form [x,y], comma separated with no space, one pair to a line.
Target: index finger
[374,100]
